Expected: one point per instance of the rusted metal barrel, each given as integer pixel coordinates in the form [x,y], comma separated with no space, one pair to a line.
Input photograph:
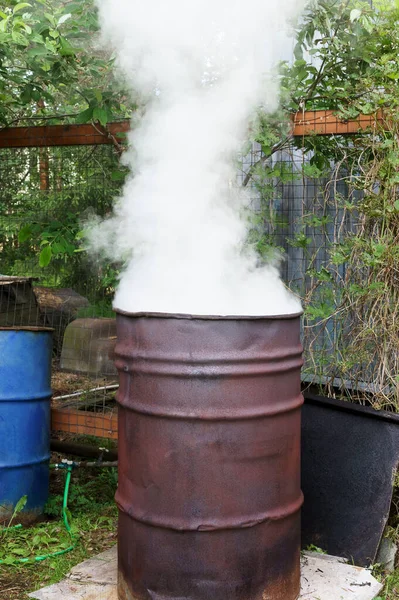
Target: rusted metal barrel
[209,448]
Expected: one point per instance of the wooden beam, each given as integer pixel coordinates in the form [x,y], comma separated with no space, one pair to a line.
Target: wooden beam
[63,135]
[85,423]
[322,122]
[326,122]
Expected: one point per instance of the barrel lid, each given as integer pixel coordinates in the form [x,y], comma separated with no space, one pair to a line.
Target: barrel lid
[155,315]
[28,328]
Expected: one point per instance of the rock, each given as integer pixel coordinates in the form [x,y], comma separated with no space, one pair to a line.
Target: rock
[88,347]
[386,556]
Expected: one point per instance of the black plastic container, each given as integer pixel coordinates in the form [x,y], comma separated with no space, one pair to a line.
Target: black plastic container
[350,456]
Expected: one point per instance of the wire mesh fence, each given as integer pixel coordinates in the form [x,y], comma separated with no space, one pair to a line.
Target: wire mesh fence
[45,197]
[303,216]
[48,192]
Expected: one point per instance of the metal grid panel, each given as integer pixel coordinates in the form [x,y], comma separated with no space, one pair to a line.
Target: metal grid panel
[299,215]
[304,219]
[64,184]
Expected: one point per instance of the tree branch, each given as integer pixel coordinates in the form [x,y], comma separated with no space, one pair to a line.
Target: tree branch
[302,102]
[279,146]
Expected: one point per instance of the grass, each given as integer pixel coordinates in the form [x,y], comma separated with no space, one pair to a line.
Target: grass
[391,588]
[93,519]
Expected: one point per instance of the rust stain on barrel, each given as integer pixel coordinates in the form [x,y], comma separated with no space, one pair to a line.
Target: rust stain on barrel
[209,444]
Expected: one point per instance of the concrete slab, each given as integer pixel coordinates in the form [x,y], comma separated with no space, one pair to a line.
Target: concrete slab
[67,590]
[329,578]
[93,579]
[323,578]
[101,569]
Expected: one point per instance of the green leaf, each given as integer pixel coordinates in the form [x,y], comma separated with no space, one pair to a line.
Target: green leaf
[118,176]
[37,51]
[300,241]
[20,504]
[25,233]
[58,248]
[46,66]
[50,18]
[21,6]
[19,39]
[45,256]
[64,18]
[51,45]
[355,15]
[312,171]
[65,48]
[27,28]
[69,249]
[85,116]
[81,235]
[101,115]
[396,205]
[19,551]
[36,95]
[26,94]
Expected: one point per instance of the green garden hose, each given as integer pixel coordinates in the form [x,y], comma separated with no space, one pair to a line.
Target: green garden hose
[68,469]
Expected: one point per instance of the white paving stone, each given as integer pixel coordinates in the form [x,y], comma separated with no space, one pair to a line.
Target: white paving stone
[323,578]
[330,578]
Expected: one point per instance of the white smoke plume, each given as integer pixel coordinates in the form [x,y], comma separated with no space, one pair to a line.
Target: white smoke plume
[204,66]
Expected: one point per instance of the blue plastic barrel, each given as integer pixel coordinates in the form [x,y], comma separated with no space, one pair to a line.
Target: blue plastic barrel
[25,394]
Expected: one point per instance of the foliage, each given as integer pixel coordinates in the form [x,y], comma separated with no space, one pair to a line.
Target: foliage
[57,239]
[391,587]
[335,58]
[94,520]
[346,60]
[52,69]
[28,543]
[316,549]
[87,492]
[42,228]
[50,66]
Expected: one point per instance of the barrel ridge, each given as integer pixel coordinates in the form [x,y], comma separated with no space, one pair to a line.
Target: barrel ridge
[215,525]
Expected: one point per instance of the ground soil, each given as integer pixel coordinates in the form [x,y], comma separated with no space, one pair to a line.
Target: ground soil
[68,383]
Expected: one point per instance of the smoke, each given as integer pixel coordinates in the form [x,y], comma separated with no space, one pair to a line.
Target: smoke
[203,68]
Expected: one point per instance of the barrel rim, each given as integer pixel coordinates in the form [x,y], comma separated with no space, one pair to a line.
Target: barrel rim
[28,328]
[160,315]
